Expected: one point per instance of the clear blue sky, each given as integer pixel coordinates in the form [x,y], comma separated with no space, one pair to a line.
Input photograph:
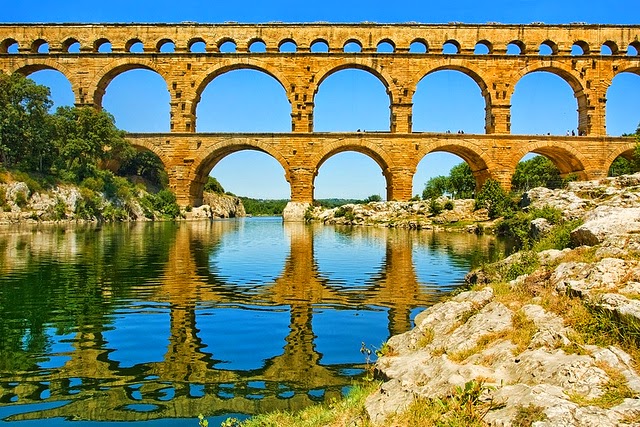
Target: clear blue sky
[348,100]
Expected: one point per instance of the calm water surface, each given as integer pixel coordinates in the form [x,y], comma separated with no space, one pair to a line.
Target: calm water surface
[157,323]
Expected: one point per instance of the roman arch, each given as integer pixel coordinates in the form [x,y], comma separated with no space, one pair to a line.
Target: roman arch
[587,57]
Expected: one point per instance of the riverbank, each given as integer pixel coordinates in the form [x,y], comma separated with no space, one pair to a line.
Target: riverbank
[546,337]
[28,202]
[440,214]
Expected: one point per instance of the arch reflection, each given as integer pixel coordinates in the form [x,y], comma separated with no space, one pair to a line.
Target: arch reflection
[177,280]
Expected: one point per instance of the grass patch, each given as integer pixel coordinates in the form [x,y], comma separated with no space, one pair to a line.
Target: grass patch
[527,415]
[348,411]
[466,406]
[426,338]
[615,390]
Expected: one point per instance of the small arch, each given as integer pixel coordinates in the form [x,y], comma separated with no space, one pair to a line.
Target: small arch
[609,48]
[40,46]
[165,46]
[197,45]
[516,47]
[257,46]
[9,46]
[419,46]
[134,46]
[386,46]
[71,45]
[483,47]
[633,49]
[352,46]
[227,46]
[102,46]
[580,48]
[287,46]
[451,47]
[548,48]
[319,46]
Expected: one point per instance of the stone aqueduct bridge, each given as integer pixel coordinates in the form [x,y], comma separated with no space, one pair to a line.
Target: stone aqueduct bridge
[189,156]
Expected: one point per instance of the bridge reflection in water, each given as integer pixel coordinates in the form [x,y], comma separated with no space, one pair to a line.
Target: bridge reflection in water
[182,290]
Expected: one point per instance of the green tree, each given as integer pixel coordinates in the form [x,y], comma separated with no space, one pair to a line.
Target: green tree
[373,198]
[24,123]
[626,165]
[462,183]
[435,187]
[536,172]
[147,165]
[213,185]
[86,138]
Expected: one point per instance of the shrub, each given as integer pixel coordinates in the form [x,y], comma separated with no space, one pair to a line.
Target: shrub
[448,205]
[21,199]
[494,199]
[434,207]
[89,205]
[163,202]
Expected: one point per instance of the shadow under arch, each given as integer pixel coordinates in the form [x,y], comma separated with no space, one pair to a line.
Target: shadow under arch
[377,154]
[203,164]
[47,64]
[98,86]
[478,164]
[572,80]
[143,145]
[207,76]
[484,90]
[567,159]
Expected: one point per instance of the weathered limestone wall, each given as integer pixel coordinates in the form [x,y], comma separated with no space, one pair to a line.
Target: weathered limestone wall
[190,156]
[289,55]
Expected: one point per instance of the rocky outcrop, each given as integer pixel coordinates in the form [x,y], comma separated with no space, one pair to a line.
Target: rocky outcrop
[63,203]
[414,214]
[217,205]
[524,353]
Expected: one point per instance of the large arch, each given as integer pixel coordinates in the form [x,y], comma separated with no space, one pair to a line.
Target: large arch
[477,78]
[138,100]
[48,64]
[364,65]
[225,66]
[207,160]
[623,98]
[479,163]
[364,122]
[572,80]
[443,102]
[99,85]
[247,99]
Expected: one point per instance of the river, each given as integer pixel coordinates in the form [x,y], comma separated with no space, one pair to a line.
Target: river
[155,323]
